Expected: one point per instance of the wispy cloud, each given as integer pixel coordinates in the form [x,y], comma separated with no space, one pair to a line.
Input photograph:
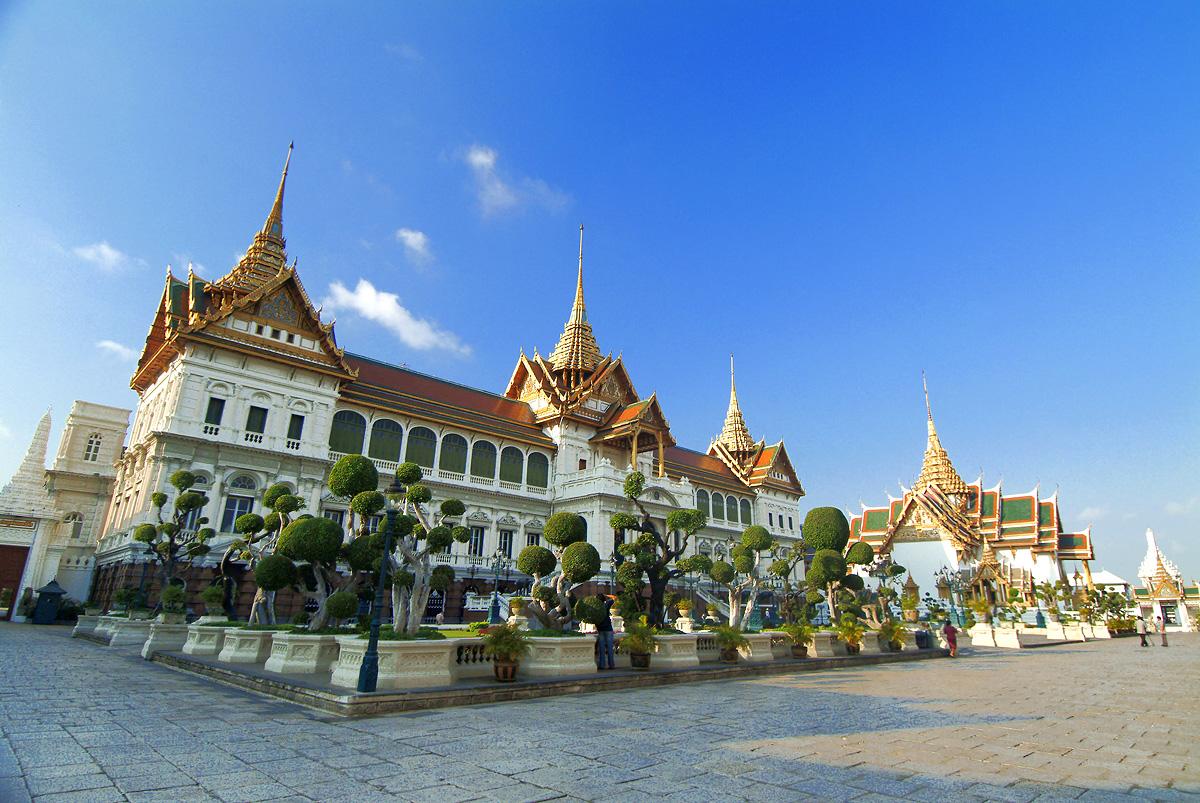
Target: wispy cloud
[5,432]
[497,193]
[105,257]
[1093,513]
[386,310]
[112,347]
[184,260]
[404,52]
[1182,507]
[416,244]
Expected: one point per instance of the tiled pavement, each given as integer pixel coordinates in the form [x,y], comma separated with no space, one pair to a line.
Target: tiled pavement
[1098,721]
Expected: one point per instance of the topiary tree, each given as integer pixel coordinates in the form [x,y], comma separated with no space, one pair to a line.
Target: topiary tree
[651,558]
[566,533]
[741,576]
[314,545]
[350,476]
[172,545]
[794,607]
[257,538]
[420,534]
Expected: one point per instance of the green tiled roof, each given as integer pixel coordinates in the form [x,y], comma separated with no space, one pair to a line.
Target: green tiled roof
[989,504]
[1141,592]
[1046,513]
[875,520]
[1019,509]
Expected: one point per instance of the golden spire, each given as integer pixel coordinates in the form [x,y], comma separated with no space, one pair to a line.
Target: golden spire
[735,436]
[936,469]
[577,350]
[266,257]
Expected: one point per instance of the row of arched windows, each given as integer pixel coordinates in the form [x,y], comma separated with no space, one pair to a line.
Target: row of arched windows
[725,508]
[349,434]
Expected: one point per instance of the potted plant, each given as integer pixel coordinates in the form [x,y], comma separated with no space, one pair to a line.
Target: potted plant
[124,597]
[684,606]
[801,634]
[506,644]
[515,605]
[713,613]
[213,598]
[173,600]
[892,632]
[639,642]
[729,641]
[981,608]
[850,630]
[908,605]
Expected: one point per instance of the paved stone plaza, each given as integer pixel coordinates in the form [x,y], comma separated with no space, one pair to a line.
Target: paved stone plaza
[1096,721]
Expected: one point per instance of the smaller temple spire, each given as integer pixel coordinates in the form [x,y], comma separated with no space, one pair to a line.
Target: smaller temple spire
[274,225]
[25,493]
[266,257]
[735,435]
[936,469]
[577,350]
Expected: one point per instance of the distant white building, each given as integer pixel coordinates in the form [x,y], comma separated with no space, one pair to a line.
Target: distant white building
[1164,593]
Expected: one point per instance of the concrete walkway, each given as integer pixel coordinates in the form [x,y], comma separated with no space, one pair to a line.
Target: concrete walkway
[1105,720]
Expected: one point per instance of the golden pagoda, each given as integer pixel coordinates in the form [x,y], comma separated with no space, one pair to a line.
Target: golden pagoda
[936,468]
[735,435]
[577,353]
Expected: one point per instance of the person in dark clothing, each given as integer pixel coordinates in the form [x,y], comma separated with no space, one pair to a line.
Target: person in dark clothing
[606,658]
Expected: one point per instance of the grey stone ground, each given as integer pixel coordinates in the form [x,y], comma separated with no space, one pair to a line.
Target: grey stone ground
[1098,721]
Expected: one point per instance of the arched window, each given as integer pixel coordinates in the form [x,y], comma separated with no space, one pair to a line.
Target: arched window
[718,506]
[718,552]
[731,508]
[347,433]
[483,460]
[237,504]
[747,515]
[705,548]
[386,436]
[243,482]
[538,472]
[702,501]
[422,444]
[512,465]
[454,454]
[74,522]
[91,452]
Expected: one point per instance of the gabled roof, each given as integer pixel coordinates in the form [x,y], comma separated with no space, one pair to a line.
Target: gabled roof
[644,416]
[700,468]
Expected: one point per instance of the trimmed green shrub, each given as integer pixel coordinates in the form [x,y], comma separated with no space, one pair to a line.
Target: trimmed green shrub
[536,560]
[213,596]
[861,553]
[367,503]
[274,572]
[301,618]
[453,508]
[591,610]
[441,577]
[248,523]
[563,529]
[418,494]
[172,598]
[545,594]
[826,528]
[351,475]
[316,540]
[756,538]
[341,605]
[580,562]
[408,474]
[182,479]
[722,572]
[828,566]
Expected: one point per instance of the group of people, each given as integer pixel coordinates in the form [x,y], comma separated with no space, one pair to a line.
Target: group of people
[1142,630]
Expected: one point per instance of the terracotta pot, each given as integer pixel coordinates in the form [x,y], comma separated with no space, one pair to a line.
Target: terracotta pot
[639,660]
[506,671]
[799,650]
[729,656]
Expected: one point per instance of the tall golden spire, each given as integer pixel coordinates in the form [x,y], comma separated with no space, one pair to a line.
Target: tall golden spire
[936,469]
[577,350]
[267,256]
[735,436]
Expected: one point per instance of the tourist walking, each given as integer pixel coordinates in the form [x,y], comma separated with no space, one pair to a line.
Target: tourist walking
[951,634]
[1162,629]
[605,656]
[1141,630]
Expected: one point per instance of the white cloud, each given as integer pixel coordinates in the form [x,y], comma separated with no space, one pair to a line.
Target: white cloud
[404,52]
[386,310]
[497,194]
[104,256]
[1094,513]
[416,244]
[5,432]
[1182,508]
[114,348]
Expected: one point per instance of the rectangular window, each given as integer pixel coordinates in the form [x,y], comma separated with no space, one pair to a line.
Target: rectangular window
[618,537]
[506,541]
[790,527]
[335,515]
[374,523]
[216,409]
[256,420]
[234,506]
[771,519]
[296,427]
[582,464]
[533,539]
[475,546]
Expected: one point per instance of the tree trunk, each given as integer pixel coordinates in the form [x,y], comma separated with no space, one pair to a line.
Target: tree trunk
[320,619]
[658,590]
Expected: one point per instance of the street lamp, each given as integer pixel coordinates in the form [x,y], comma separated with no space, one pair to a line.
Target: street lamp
[368,673]
[951,581]
[499,561]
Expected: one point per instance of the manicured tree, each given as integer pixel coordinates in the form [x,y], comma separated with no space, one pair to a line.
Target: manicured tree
[257,539]
[350,476]
[566,533]
[314,545]
[827,569]
[168,542]
[420,535]
[781,568]
[741,577]
[826,530]
[653,556]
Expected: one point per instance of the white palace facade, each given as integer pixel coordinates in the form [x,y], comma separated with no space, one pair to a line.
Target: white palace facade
[242,383]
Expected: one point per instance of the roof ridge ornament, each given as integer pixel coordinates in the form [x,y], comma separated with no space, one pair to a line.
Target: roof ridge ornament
[936,468]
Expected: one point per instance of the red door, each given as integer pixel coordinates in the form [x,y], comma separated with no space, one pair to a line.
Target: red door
[12,565]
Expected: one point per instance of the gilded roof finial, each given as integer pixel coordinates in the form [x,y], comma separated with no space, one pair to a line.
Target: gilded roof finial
[735,435]
[274,225]
[936,468]
[577,349]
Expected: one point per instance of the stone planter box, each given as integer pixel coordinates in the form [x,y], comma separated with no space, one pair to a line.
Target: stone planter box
[301,654]
[707,651]
[141,613]
[910,639]
[1055,631]
[675,652]
[1100,631]
[130,633]
[85,624]
[759,649]
[468,661]
[781,646]
[826,644]
[245,646]
[556,657]
[164,637]
[1073,632]
[105,624]
[982,635]
[1009,638]
[420,663]
[204,640]
[872,644]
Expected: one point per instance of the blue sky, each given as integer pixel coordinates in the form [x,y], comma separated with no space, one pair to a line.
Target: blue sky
[1004,196]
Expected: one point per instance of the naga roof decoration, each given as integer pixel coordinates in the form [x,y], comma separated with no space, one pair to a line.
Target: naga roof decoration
[577,352]
[936,468]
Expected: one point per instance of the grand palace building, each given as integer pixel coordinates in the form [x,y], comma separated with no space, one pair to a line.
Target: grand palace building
[241,382]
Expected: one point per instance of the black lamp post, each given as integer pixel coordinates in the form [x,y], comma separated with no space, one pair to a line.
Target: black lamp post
[498,562]
[368,673]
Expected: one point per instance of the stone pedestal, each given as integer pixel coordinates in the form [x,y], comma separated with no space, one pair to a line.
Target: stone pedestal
[130,633]
[872,644]
[759,649]
[420,663]
[204,640]
[1008,637]
[245,646]
[908,639]
[1072,631]
[522,622]
[85,625]
[675,652]
[684,624]
[982,635]
[781,645]
[164,638]
[826,644]
[555,657]
[1055,631]
[618,623]
[302,654]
